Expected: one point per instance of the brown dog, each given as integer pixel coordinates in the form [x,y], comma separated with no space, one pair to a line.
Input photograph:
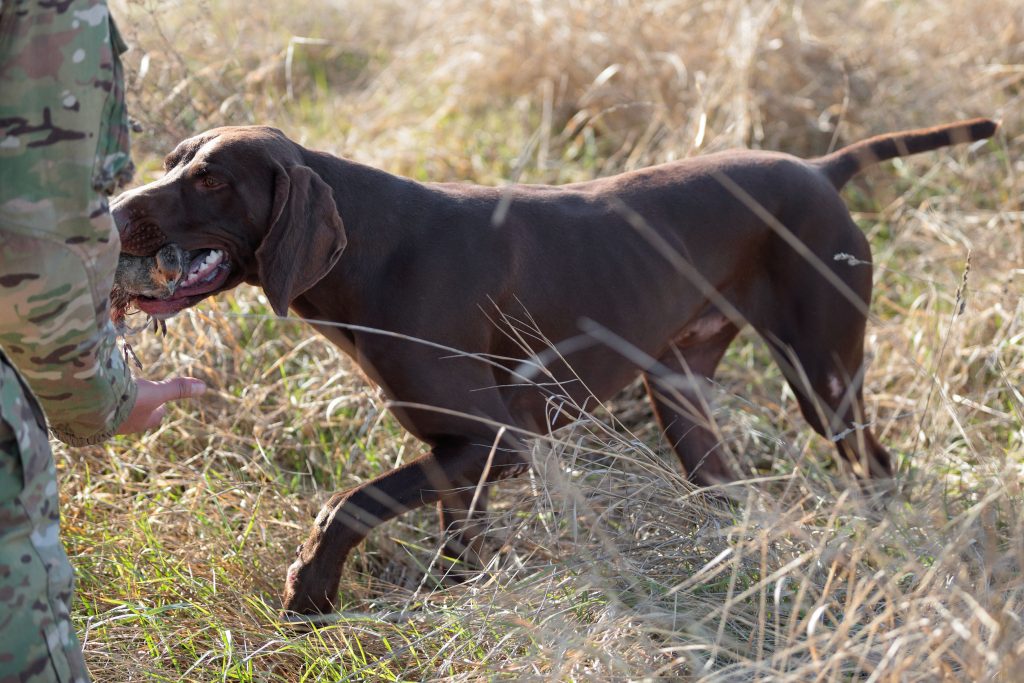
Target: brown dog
[653,271]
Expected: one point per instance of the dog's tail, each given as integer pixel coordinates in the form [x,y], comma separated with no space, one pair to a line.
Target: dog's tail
[847,162]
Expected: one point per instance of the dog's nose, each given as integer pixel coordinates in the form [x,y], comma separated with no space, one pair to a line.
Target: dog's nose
[140,236]
[140,239]
[119,214]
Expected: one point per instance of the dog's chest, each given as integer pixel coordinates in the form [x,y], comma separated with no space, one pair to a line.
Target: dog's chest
[337,336]
[325,323]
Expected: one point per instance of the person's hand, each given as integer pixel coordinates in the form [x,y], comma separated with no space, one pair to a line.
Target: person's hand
[149,407]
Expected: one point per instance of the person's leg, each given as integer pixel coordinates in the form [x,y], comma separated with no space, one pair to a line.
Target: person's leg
[37,641]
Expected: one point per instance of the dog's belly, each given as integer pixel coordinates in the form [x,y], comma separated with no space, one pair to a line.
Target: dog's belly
[553,399]
[563,383]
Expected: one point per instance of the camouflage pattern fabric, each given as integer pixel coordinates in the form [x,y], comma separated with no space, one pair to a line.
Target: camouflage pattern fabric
[37,642]
[63,148]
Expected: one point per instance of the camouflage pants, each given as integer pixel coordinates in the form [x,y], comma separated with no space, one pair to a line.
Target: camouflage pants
[37,642]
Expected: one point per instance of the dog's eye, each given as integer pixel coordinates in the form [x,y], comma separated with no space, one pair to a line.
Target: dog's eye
[210,183]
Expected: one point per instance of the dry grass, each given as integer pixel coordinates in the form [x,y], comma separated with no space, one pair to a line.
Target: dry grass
[612,567]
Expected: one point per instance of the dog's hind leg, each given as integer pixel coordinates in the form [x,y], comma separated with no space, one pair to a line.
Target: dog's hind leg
[827,378]
[816,334]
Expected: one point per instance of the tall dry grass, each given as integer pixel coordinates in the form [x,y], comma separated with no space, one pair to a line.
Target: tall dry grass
[610,566]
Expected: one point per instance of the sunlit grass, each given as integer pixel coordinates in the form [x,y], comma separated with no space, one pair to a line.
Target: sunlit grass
[609,566]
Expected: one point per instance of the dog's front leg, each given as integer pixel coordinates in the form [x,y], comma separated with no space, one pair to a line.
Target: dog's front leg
[454,464]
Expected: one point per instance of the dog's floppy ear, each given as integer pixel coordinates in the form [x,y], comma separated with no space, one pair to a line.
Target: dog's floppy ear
[305,239]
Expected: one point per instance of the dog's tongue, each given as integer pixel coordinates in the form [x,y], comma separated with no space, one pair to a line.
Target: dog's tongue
[161,307]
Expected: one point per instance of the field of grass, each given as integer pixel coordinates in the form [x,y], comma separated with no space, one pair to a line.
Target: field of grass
[611,566]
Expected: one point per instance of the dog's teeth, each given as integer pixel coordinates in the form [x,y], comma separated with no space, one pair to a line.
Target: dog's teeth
[207,265]
[212,258]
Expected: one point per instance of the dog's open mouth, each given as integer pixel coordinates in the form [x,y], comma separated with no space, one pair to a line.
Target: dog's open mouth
[206,272]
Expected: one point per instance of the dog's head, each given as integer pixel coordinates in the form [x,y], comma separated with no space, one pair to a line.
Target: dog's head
[242,206]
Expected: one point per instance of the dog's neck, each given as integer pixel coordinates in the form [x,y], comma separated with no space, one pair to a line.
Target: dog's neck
[368,225]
